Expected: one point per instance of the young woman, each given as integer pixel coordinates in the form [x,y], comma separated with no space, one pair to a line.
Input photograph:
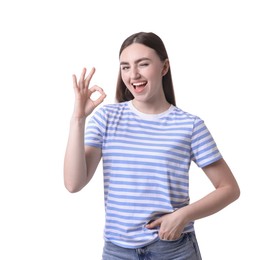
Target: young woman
[147,145]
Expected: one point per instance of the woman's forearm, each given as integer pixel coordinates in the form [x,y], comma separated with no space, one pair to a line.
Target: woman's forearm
[75,169]
[211,203]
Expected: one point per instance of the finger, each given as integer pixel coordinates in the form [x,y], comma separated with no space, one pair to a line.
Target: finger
[74,79]
[81,81]
[96,88]
[163,234]
[100,98]
[154,223]
[89,77]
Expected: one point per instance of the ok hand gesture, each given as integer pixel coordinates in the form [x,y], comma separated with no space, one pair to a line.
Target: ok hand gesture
[84,105]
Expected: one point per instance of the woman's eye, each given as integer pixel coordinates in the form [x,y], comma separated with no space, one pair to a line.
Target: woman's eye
[143,64]
[124,68]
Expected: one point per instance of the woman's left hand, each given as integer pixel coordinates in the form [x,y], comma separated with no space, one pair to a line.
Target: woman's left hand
[170,226]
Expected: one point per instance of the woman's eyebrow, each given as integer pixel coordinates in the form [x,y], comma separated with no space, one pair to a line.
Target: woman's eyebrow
[137,61]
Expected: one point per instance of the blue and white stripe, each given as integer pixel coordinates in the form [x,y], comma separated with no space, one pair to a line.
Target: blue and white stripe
[146,160]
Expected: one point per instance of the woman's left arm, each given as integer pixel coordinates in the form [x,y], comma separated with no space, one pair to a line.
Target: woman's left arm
[226,191]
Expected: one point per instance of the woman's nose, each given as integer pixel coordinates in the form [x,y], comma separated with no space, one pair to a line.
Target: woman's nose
[135,73]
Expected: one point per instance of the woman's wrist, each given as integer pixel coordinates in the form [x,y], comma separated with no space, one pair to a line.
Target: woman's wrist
[77,120]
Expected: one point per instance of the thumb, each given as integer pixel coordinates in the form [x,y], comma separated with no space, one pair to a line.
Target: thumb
[154,223]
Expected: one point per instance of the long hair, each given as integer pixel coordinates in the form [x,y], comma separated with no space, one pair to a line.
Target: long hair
[152,41]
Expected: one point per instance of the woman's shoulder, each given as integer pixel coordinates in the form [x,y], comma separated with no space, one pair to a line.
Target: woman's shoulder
[185,114]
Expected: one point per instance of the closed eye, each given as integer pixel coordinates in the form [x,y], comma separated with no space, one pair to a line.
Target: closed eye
[143,64]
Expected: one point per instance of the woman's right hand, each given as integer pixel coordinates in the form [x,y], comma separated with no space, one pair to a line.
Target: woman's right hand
[84,104]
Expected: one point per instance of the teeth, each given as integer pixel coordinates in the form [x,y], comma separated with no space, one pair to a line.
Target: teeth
[138,84]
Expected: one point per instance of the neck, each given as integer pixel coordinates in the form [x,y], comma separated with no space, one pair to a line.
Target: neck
[151,107]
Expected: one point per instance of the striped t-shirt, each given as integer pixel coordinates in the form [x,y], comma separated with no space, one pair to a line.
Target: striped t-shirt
[146,160]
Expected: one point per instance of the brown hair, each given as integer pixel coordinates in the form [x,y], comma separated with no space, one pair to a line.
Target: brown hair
[150,40]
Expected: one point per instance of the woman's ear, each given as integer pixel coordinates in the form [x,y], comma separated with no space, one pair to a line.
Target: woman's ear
[166,67]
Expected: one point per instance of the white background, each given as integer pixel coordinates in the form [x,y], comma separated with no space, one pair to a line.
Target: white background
[222,62]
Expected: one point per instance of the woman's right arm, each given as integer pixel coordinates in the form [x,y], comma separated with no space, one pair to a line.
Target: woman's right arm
[80,161]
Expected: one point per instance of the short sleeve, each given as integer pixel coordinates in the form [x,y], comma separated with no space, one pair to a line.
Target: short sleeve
[95,129]
[204,150]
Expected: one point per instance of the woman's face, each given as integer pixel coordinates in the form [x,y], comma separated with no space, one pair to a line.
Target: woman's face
[142,72]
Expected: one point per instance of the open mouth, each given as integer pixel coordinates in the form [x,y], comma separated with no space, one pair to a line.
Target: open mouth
[139,86]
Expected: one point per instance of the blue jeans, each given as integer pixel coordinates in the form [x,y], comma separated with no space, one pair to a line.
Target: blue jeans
[184,248]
